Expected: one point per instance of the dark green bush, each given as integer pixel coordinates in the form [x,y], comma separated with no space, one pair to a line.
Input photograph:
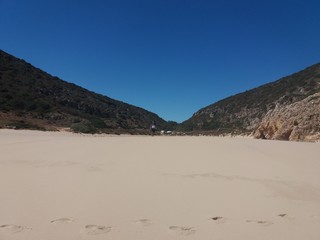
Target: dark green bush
[24,125]
[83,127]
[98,123]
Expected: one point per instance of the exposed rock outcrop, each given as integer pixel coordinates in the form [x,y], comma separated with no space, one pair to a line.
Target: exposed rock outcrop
[296,121]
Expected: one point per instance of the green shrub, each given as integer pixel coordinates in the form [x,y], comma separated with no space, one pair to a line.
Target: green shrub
[24,125]
[83,127]
[98,123]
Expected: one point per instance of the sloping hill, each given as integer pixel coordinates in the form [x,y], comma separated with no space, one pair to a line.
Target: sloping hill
[253,111]
[32,98]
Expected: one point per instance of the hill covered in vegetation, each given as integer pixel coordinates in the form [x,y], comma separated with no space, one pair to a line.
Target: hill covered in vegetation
[31,98]
[287,109]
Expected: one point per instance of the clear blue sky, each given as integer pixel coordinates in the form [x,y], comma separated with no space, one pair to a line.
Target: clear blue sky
[171,57]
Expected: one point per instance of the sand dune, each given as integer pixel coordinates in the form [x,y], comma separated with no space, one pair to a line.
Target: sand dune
[69,186]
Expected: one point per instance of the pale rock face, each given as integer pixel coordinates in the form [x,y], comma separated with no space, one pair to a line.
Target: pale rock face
[296,121]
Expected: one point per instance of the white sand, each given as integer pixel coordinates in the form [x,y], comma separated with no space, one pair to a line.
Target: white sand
[67,186]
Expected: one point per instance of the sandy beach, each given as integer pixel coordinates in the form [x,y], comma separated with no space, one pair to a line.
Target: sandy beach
[69,186]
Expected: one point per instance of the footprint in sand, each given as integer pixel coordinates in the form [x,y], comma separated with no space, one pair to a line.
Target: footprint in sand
[185,231]
[262,223]
[96,230]
[62,221]
[10,228]
[285,216]
[143,222]
[218,220]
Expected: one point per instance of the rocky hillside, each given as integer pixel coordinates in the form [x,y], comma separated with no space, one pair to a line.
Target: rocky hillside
[32,98]
[287,109]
